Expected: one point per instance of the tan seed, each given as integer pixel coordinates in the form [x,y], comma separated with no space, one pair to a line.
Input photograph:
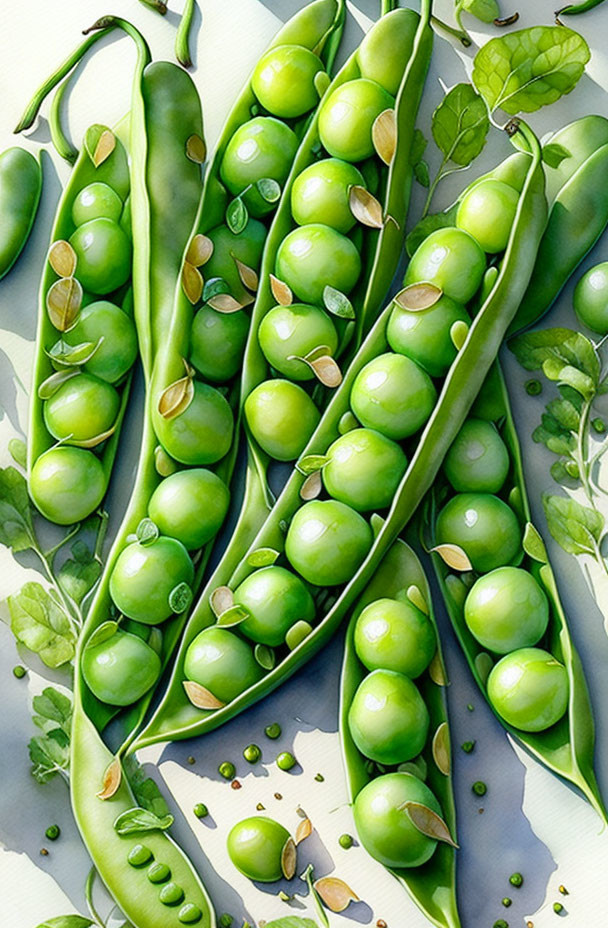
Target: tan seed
[111,779]
[441,749]
[428,822]
[453,556]
[280,291]
[62,258]
[201,697]
[192,282]
[312,486]
[176,398]
[225,303]
[289,858]
[418,297]
[221,600]
[104,148]
[365,207]
[63,302]
[200,250]
[335,893]
[249,277]
[196,150]
[384,135]
[304,830]
[437,671]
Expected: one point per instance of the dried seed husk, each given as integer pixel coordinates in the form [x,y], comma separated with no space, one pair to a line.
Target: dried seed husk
[326,370]
[441,749]
[437,671]
[265,656]
[312,486]
[365,207]
[232,616]
[335,893]
[483,666]
[62,258]
[50,386]
[337,303]
[164,463]
[415,596]
[111,779]
[176,398]
[224,303]
[96,440]
[196,150]
[453,556]
[458,333]
[104,148]
[192,282]
[384,135]
[71,355]
[311,463]
[263,557]
[304,830]
[200,696]
[249,277]
[63,302]
[280,291]
[221,599]
[200,250]
[288,859]
[428,822]
[418,297]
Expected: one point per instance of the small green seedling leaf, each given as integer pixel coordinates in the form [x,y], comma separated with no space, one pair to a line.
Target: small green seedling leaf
[180,598]
[137,821]
[39,621]
[269,189]
[213,287]
[265,656]
[232,616]
[554,154]
[16,527]
[460,125]
[237,216]
[147,532]
[102,633]
[311,463]
[577,529]
[337,303]
[18,451]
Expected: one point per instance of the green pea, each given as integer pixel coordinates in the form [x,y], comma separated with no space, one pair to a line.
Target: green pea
[529,689]
[222,662]
[103,255]
[200,435]
[393,395]
[487,212]
[158,872]
[108,326]
[282,418]
[189,914]
[283,80]
[275,598]
[598,425]
[533,387]
[313,256]
[424,336]
[19,671]
[591,299]
[468,746]
[327,542]
[144,576]
[217,342]
[82,408]
[247,246]
[516,879]
[190,505]
[347,116]
[507,609]
[558,908]
[452,260]
[120,669]
[225,920]
[273,731]
[252,753]
[394,635]
[478,460]
[227,770]
[507,902]
[201,810]
[364,469]
[388,719]
[484,526]
[53,832]
[286,761]
[255,847]
[345,841]
[171,894]
[297,633]
[479,788]
[139,855]
[287,333]
[320,193]
[262,147]
[501,923]
[67,484]
[95,201]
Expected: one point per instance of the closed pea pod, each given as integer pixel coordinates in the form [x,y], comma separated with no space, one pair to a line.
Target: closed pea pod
[20,187]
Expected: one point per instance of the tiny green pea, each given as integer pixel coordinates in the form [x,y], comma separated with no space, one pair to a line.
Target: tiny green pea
[471,707]
[252,753]
[273,731]
[284,897]
[506,902]
[558,908]
[572,469]
[201,810]
[171,894]
[158,872]
[533,387]
[285,761]
[53,832]
[598,425]
[227,770]
[189,914]
[320,778]
[19,671]
[345,841]
[516,879]
[139,855]
[501,923]
[225,920]
[479,788]
[468,746]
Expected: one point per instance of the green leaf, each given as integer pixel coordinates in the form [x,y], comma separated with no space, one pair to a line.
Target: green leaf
[427,225]
[551,350]
[49,754]
[311,463]
[578,529]
[529,68]
[460,124]
[53,706]
[337,303]
[67,921]
[554,154]
[145,789]
[561,474]
[292,921]
[18,451]
[236,216]
[62,353]
[533,544]
[419,145]
[138,820]
[269,189]
[556,438]
[263,557]
[485,10]
[78,575]
[16,528]
[180,598]
[213,286]
[40,623]
[421,173]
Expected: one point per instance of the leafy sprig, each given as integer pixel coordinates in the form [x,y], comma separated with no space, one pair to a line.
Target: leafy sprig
[50,751]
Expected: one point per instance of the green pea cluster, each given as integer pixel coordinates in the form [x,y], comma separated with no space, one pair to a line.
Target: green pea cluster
[170,893]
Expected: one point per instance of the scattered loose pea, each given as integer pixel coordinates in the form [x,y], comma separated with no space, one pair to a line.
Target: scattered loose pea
[44,852]
[227,770]
[501,923]
[533,387]
[468,746]
[260,807]
[273,731]
[558,908]
[345,841]
[200,810]
[278,796]
[285,761]
[506,902]
[19,671]
[139,855]
[235,784]
[320,778]
[381,923]
[158,873]
[171,894]
[598,425]
[191,760]
[479,788]
[252,753]
[52,832]
[285,897]
[471,707]
[516,879]
[225,920]
[563,890]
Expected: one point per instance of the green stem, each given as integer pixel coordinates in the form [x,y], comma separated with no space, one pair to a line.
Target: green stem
[599,558]
[158,5]
[63,146]
[70,607]
[387,6]
[433,187]
[31,111]
[88,894]
[581,450]
[182,38]
[51,552]
[461,34]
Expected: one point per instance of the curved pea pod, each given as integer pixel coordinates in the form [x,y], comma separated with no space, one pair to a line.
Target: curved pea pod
[567,747]
[138,897]
[20,187]
[577,217]
[433,885]
[176,717]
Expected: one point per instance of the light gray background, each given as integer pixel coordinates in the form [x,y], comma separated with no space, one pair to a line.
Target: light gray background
[531,822]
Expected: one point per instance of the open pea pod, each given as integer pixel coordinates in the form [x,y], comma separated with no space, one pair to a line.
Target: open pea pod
[432,886]
[567,746]
[177,716]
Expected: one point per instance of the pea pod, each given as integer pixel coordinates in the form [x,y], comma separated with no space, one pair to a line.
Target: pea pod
[432,885]
[177,717]
[20,186]
[578,214]
[566,747]
[573,9]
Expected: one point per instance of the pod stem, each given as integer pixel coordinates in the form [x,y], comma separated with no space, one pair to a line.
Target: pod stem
[387,6]
[182,39]
[33,107]
[461,34]
[327,46]
[62,144]
[158,5]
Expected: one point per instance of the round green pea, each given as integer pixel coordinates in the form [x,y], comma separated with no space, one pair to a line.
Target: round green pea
[275,599]
[327,542]
[19,671]
[484,526]
[255,846]
[314,256]
[287,333]
[388,719]
[227,770]
[222,662]
[108,326]
[347,116]
[425,336]
[283,80]
[144,576]
[478,460]
[202,433]
[247,246]
[345,841]
[67,484]
[393,395]
[452,260]
[103,255]
[189,914]
[171,894]
[158,872]
[95,201]
[262,147]
[320,193]
[52,832]
[487,212]
[591,299]
[507,609]
[273,731]
[190,505]
[395,635]
[139,855]
[82,408]
[120,669]
[364,469]
[529,689]
[252,753]
[286,761]
[201,810]
[217,343]
[281,417]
